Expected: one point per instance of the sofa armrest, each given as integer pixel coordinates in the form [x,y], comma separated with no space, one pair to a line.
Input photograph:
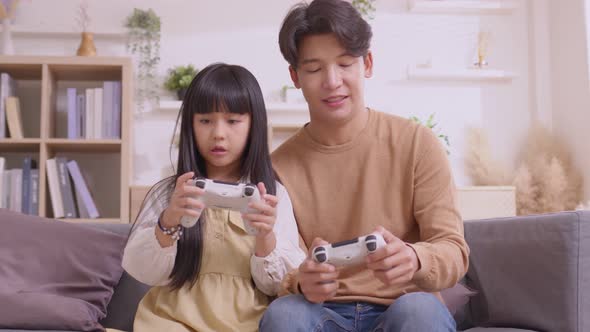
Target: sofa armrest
[531,272]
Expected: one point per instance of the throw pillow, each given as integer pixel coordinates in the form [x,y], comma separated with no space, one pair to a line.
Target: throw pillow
[55,274]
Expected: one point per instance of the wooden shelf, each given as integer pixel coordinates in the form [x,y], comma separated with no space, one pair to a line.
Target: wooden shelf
[85,145]
[461,7]
[41,32]
[459,74]
[18,145]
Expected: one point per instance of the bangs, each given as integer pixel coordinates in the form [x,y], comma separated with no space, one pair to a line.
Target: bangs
[219,91]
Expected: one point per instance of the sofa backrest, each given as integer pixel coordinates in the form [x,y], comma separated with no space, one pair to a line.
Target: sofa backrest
[531,272]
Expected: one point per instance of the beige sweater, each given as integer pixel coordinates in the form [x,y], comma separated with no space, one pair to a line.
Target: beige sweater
[395,173]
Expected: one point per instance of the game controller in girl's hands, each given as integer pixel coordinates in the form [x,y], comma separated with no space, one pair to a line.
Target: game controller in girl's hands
[350,252]
[225,195]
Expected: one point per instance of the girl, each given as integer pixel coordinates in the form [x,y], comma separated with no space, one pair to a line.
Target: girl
[203,274]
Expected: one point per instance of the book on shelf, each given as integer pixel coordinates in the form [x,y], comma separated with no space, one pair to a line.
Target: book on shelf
[19,187]
[16,184]
[65,188]
[98,111]
[89,132]
[81,115]
[28,188]
[14,117]
[72,114]
[86,204]
[35,191]
[54,188]
[94,113]
[6,188]
[70,196]
[7,88]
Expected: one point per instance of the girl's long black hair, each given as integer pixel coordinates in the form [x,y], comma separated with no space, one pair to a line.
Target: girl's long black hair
[218,87]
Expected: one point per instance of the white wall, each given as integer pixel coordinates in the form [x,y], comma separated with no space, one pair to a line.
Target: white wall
[245,32]
[570,80]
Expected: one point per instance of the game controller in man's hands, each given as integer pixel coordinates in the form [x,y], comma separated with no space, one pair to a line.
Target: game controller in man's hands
[350,252]
[225,195]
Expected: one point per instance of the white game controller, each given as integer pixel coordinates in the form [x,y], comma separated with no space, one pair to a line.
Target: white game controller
[225,195]
[350,252]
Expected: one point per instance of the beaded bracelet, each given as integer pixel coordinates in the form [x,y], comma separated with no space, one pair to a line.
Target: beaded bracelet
[174,232]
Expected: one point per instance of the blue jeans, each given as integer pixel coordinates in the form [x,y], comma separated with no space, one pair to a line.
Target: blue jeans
[412,312]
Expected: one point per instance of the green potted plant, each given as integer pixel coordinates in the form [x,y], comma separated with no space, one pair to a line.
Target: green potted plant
[432,125]
[365,7]
[179,78]
[144,42]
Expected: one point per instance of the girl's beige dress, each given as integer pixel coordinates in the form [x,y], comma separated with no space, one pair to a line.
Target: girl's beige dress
[224,288]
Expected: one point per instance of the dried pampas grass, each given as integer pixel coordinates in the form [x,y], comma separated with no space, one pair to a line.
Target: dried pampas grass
[545,180]
[480,164]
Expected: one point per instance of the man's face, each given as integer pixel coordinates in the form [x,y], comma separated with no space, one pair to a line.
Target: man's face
[332,80]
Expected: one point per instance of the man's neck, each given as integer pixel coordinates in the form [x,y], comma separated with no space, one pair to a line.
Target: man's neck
[330,133]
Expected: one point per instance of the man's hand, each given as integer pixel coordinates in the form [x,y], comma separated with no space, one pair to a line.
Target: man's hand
[395,263]
[317,280]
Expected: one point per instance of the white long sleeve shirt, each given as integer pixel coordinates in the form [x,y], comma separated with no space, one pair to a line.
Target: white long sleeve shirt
[148,262]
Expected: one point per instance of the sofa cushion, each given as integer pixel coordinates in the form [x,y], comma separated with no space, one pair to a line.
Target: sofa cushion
[56,275]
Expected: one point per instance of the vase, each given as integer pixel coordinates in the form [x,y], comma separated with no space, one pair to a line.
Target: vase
[7,47]
[87,47]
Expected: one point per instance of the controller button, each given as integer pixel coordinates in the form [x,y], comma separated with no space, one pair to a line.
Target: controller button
[321,257]
[372,246]
[249,191]
[319,249]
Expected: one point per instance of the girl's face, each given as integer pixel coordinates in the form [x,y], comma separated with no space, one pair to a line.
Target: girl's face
[221,138]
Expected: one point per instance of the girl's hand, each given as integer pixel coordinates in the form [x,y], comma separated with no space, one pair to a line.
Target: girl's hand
[264,220]
[184,202]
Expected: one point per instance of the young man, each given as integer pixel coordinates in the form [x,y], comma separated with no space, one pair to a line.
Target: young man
[352,171]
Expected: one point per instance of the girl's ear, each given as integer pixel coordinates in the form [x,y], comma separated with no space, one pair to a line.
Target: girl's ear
[294,77]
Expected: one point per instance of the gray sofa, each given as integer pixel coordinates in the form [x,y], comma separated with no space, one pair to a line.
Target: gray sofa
[531,273]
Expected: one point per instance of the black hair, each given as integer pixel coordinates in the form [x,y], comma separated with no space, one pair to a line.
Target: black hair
[322,17]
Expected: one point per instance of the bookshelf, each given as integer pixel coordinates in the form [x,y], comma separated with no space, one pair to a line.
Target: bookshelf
[41,84]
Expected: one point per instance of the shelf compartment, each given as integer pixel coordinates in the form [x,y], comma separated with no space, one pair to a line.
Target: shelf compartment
[102,174]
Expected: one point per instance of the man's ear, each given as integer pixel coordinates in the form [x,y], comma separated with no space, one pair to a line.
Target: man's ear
[368,62]
[294,77]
